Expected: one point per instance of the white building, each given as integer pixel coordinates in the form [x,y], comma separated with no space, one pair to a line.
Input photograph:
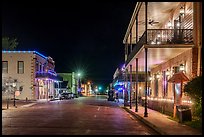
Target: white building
[34,71]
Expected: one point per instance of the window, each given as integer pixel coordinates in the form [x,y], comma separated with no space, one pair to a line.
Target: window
[4,66]
[20,67]
[156,86]
[165,84]
[37,65]
[40,66]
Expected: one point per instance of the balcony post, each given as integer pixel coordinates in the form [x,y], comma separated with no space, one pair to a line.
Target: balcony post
[145,113]
[130,40]
[126,87]
[126,50]
[136,33]
[146,21]
[136,86]
[130,86]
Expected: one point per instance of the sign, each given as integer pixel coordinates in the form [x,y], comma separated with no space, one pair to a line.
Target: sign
[17,93]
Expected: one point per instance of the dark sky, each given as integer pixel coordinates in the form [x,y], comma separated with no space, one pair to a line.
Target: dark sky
[79,35]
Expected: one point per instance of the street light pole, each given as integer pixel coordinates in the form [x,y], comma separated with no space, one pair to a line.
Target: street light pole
[79,86]
[14,96]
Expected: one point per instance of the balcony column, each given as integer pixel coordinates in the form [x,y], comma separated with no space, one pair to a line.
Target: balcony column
[130,40]
[145,113]
[130,86]
[197,38]
[146,3]
[126,50]
[136,26]
[136,86]
[126,87]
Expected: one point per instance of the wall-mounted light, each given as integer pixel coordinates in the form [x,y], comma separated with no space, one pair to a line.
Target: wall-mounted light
[150,78]
[169,25]
[182,67]
[178,24]
[152,42]
[182,10]
[158,42]
[167,72]
[157,75]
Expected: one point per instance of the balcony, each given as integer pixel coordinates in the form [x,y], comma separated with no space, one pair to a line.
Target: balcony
[48,75]
[169,36]
[163,38]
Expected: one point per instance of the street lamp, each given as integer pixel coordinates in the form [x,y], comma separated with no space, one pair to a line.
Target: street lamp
[79,84]
[14,95]
[11,87]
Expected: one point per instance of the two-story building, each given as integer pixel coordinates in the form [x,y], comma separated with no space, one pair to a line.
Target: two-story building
[164,41]
[34,71]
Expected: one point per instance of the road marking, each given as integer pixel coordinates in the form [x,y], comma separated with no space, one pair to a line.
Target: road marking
[28,105]
[87,131]
[98,108]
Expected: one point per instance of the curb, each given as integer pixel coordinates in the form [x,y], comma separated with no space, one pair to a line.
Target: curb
[152,126]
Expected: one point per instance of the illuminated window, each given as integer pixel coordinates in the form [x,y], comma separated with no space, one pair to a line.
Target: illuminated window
[4,66]
[20,67]
[165,83]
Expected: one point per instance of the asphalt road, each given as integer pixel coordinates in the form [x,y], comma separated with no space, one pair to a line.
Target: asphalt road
[80,116]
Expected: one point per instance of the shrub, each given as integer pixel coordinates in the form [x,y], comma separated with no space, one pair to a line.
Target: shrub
[194,90]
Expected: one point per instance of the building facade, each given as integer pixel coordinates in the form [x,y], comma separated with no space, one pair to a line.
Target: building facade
[164,40]
[71,81]
[34,71]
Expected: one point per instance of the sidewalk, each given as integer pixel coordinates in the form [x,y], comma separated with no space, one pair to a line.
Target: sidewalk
[160,122]
[18,104]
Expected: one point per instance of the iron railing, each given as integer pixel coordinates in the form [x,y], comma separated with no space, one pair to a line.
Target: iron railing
[48,75]
[162,37]
[169,36]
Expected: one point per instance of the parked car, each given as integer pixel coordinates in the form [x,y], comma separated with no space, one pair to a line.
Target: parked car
[75,95]
[111,95]
[65,95]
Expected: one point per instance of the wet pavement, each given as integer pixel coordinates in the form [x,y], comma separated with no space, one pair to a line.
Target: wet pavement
[79,116]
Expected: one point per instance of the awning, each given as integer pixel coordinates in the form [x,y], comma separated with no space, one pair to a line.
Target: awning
[178,78]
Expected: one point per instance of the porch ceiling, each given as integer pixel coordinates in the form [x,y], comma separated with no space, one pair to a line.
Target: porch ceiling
[156,56]
[160,12]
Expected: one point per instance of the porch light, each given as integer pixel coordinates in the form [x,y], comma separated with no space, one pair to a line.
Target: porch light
[178,24]
[182,67]
[158,42]
[167,72]
[150,78]
[152,42]
[157,76]
[182,10]
[169,24]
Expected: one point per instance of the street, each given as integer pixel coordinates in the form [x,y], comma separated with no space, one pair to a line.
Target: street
[80,116]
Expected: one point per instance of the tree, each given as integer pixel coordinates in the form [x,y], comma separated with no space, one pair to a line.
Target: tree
[9,88]
[9,44]
[194,90]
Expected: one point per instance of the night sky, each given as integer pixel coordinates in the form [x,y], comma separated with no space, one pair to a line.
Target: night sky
[81,35]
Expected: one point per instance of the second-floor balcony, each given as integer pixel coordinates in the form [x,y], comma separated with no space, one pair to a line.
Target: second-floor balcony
[162,38]
[169,36]
[48,76]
